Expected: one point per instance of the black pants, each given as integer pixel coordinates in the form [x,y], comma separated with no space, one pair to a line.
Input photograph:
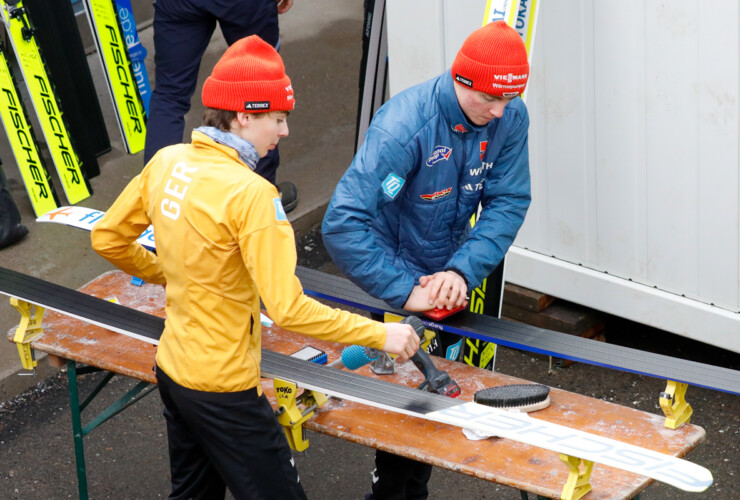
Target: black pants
[11,229]
[226,439]
[182,32]
[400,478]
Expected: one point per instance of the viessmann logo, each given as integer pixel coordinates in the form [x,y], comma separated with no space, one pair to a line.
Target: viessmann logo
[510,77]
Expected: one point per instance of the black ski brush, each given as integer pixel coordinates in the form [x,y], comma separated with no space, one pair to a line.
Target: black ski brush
[521,397]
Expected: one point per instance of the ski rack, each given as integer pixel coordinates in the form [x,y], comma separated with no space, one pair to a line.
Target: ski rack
[23,142]
[35,75]
[120,77]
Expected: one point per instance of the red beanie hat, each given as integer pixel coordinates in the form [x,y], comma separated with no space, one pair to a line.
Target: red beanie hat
[493,60]
[249,77]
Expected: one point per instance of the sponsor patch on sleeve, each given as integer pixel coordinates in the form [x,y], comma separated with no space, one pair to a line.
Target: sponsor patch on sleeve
[392,185]
[279,210]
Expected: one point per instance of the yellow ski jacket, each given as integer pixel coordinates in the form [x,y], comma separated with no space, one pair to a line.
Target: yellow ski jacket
[223,242]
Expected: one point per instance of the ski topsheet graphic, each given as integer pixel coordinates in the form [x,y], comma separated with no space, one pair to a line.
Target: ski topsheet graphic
[23,142]
[45,104]
[381,394]
[136,51]
[122,82]
[85,218]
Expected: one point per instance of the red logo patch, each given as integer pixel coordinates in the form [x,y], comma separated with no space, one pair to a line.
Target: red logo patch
[483,146]
[437,195]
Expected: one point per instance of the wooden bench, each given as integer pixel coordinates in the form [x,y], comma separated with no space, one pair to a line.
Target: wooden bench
[502,461]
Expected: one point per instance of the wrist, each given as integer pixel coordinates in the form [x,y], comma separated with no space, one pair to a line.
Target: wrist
[458,272]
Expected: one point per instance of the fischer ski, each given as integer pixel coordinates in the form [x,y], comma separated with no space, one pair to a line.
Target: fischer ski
[23,142]
[63,154]
[120,76]
[381,394]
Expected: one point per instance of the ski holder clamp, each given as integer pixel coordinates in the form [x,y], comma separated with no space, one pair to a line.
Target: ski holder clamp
[579,480]
[673,403]
[290,415]
[29,329]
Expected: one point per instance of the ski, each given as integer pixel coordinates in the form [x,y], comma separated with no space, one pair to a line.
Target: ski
[136,50]
[23,142]
[120,76]
[487,299]
[484,328]
[41,92]
[378,393]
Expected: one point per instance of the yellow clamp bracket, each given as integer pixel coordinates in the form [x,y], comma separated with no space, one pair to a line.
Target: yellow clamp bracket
[290,416]
[579,479]
[677,411]
[28,330]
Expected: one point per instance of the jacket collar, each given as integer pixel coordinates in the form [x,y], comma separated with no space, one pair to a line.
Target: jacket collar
[243,148]
[451,110]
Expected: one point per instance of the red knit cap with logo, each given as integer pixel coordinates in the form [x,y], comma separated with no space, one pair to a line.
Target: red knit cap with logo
[493,60]
[249,77]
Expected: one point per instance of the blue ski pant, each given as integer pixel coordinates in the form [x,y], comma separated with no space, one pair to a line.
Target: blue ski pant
[182,32]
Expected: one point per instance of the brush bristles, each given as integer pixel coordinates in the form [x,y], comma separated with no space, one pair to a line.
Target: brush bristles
[522,397]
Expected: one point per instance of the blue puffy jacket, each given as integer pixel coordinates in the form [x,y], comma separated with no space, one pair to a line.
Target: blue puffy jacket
[402,210]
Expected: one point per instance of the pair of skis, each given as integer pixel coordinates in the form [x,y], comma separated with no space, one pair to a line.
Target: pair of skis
[128,84]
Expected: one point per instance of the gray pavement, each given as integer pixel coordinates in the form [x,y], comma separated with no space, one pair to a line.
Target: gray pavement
[127,457]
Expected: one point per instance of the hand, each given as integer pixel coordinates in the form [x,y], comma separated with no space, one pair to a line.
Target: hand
[283,6]
[418,300]
[401,339]
[447,289]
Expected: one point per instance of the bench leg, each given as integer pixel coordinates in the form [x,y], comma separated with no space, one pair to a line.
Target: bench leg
[76,408]
[74,404]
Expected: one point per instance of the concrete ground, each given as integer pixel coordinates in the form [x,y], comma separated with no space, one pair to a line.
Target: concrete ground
[127,457]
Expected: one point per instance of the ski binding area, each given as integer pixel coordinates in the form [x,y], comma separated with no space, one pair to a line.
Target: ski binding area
[572,443]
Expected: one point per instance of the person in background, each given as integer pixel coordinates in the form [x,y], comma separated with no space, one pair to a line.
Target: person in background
[223,244]
[182,32]
[11,229]
[398,224]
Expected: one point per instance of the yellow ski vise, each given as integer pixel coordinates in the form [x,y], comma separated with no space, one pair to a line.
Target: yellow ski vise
[28,330]
[673,403]
[290,416]
[579,479]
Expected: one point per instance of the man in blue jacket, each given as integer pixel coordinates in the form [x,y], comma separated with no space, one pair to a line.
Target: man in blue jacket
[398,224]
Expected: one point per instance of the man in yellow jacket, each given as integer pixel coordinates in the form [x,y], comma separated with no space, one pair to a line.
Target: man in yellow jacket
[223,243]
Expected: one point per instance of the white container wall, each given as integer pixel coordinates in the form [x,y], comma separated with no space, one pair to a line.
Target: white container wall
[634,148]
